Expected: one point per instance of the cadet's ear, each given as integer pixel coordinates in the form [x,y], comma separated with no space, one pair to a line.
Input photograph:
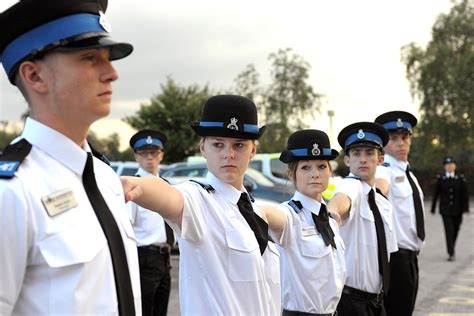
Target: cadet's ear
[346,160]
[32,76]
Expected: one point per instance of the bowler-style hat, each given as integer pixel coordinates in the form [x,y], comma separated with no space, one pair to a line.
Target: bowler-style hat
[308,144]
[148,138]
[31,28]
[363,134]
[229,116]
[397,121]
[449,159]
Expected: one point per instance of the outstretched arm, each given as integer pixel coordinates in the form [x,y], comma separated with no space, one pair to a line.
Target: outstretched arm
[340,204]
[155,194]
[382,185]
[275,218]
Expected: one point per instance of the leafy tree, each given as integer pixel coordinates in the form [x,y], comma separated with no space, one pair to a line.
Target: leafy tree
[171,112]
[109,146]
[285,104]
[442,78]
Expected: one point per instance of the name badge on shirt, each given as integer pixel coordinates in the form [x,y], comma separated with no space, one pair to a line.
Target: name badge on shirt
[399,179]
[59,202]
[309,231]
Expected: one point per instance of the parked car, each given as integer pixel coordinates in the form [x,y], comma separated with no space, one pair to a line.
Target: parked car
[130,168]
[259,187]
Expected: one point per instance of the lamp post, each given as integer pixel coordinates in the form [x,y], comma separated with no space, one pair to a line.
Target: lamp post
[330,114]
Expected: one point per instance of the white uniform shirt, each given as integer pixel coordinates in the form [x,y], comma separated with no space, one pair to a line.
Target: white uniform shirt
[221,270]
[312,273]
[149,226]
[360,237]
[59,265]
[401,197]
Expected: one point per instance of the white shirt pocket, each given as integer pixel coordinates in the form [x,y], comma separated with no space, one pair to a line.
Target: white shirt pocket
[245,263]
[72,246]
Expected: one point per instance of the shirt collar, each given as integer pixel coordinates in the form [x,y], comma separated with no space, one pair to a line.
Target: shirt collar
[143,173]
[307,202]
[365,186]
[56,145]
[395,162]
[229,192]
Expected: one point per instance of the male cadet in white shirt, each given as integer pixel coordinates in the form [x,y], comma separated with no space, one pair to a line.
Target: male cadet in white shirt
[154,237]
[398,183]
[66,244]
[366,221]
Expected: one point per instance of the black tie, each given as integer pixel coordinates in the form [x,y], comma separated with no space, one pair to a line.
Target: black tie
[256,223]
[420,225]
[123,284]
[381,242]
[169,235]
[322,225]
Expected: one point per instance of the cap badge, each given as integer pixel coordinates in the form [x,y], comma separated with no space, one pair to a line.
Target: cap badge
[104,22]
[233,124]
[315,151]
[149,140]
[361,134]
[448,159]
[399,122]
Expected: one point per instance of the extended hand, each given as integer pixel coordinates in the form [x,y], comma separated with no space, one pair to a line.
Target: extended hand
[130,189]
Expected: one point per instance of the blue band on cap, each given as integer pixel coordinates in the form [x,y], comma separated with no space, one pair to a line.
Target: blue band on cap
[367,136]
[397,124]
[303,152]
[47,34]
[148,142]
[249,128]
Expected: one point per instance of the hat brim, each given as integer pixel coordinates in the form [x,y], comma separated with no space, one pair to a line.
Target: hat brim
[117,50]
[226,132]
[364,143]
[286,156]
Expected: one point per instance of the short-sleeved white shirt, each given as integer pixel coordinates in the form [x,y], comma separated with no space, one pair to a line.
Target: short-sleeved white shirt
[221,269]
[401,198]
[149,226]
[312,274]
[360,237]
[61,264]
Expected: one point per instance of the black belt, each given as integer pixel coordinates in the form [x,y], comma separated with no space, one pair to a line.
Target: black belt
[160,249]
[410,253]
[362,294]
[295,313]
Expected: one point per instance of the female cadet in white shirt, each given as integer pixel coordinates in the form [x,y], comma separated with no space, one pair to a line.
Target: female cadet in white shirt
[227,266]
[312,252]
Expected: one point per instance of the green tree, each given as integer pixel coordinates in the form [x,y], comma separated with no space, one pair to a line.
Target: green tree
[442,78]
[171,112]
[109,146]
[286,103]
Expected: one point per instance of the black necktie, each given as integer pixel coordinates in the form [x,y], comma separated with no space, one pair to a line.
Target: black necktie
[123,283]
[169,235]
[322,225]
[256,223]
[381,242]
[420,225]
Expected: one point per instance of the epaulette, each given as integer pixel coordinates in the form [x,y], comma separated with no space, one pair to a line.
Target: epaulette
[12,157]
[386,164]
[380,192]
[206,187]
[99,155]
[295,205]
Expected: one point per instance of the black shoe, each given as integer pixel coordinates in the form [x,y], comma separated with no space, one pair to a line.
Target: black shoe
[451,258]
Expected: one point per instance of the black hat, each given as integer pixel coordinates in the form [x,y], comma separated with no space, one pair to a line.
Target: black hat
[449,159]
[363,133]
[308,144]
[32,27]
[148,138]
[229,116]
[397,121]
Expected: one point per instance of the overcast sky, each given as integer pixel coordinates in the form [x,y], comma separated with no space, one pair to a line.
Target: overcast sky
[353,48]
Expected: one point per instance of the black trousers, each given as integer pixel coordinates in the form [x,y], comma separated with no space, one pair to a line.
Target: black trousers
[452,223]
[355,305]
[401,296]
[155,279]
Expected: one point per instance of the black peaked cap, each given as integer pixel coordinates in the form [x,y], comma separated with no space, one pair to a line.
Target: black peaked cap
[449,159]
[308,144]
[397,121]
[146,138]
[229,116]
[363,133]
